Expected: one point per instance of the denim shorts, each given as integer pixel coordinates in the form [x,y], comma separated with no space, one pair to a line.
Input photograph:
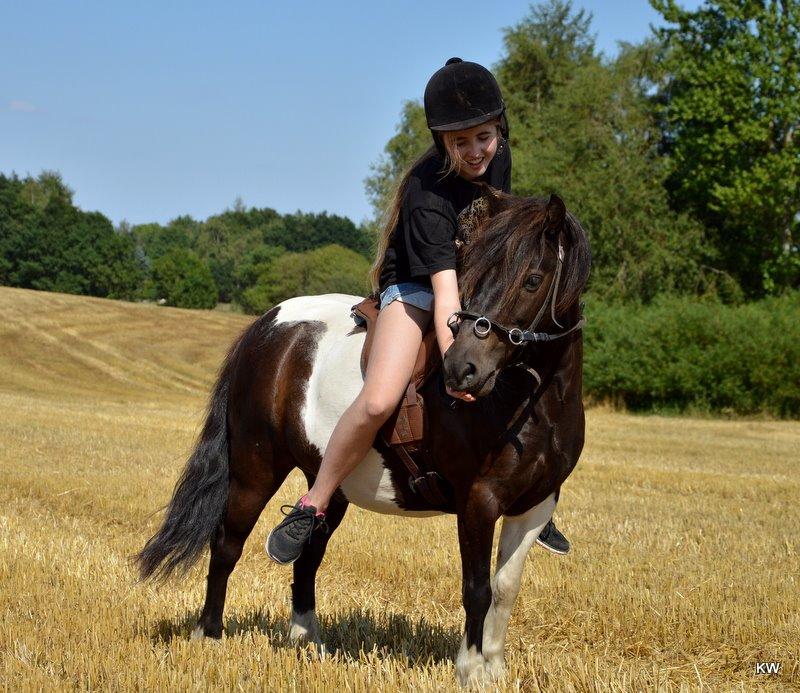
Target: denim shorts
[413,293]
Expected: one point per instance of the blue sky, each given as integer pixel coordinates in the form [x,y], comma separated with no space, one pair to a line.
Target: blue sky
[155,109]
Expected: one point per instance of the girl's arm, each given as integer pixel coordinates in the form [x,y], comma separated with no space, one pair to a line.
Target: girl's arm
[445,303]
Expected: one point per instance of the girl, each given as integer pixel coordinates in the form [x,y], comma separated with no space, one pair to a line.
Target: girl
[415,272]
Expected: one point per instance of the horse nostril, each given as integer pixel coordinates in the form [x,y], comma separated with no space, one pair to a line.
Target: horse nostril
[469,372]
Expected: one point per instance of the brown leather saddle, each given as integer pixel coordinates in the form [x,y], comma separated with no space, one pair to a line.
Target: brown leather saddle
[405,429]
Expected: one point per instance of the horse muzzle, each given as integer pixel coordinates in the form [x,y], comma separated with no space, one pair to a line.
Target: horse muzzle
[464,375]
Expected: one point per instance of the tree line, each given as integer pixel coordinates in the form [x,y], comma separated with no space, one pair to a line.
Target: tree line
[680,156]
[252,257]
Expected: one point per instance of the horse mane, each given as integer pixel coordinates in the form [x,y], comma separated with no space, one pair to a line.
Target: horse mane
[507,239]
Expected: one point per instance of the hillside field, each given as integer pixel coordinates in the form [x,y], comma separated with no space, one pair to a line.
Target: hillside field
[683,575]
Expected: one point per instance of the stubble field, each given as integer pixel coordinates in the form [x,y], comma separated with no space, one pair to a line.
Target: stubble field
[683,575]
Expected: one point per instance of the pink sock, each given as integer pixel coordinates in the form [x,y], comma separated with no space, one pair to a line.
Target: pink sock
[304,503]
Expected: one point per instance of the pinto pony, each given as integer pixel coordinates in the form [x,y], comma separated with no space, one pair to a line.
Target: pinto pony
[518,348]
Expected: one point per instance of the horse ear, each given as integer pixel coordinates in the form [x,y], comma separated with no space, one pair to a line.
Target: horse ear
[475,215]
[493,201]
[555,216]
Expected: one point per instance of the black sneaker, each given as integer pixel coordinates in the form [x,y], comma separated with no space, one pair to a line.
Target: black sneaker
[285,542]
[552,540]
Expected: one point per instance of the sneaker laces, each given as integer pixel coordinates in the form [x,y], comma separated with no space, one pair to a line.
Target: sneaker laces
[294,514]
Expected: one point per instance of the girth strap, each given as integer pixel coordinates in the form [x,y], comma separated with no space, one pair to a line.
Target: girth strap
[427,484]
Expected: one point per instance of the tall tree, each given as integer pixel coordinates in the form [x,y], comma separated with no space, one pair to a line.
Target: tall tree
[586,128]
[300,231]
[542,52]
[730,119]
[49,244]
[182,279]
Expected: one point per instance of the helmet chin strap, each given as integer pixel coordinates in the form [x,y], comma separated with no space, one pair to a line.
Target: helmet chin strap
[437,140]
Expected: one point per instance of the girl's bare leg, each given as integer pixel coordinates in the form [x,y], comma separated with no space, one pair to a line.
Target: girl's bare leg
[399,331]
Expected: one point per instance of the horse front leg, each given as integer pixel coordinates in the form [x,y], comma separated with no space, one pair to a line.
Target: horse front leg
[516,539]
[304,626]
[475,532]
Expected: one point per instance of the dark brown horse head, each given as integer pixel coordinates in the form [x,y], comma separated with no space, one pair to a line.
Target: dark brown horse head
[524,268]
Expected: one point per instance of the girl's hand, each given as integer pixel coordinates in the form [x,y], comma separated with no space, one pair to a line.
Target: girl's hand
[466,396]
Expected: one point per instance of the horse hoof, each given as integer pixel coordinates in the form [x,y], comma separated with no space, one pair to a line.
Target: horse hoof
[304,629]
[200,634]
[475,679]
[315,648]
[495,669]
[471,670]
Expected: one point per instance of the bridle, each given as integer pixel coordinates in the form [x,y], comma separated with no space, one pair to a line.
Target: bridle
[483,325]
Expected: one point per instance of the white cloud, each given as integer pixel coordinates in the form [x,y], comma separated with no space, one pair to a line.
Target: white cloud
[22,106]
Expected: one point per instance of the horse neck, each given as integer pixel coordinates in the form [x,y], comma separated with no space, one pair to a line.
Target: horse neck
[562,359]
[560,367]
[519,400]
[563,375]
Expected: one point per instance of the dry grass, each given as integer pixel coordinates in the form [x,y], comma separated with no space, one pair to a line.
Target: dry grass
[683,574]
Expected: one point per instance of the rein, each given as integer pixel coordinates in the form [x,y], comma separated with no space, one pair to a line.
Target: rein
[483,325]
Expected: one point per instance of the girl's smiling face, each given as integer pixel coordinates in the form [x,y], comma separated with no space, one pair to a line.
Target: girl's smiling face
[474,148]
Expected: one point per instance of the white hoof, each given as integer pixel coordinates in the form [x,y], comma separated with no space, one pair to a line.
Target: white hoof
[304,630]
[495,668]
[200,636]
[471,668]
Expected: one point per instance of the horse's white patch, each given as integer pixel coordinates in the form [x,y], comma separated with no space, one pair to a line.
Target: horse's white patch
[470,664]
[516,538]
[304,629]
[199,635]
[334,384]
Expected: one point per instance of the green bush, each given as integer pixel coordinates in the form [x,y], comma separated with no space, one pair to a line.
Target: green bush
[182,279]
[330,269]
[684,354]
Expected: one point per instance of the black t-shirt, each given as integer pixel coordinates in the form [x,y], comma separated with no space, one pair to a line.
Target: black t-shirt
[423,241]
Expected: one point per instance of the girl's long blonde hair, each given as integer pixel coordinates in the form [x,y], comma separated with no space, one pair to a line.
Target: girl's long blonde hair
[452,163]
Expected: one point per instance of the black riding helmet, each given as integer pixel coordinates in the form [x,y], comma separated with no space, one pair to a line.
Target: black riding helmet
[462,95]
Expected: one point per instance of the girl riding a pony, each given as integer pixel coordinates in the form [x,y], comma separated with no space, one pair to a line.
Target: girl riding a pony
[415,274]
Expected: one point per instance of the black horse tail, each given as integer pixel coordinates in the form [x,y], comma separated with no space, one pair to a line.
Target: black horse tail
[200,496]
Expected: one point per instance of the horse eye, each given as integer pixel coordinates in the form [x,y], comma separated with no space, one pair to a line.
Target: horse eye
[533,282]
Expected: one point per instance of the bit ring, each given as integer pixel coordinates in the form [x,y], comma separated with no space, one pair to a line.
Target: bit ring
[482,332]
